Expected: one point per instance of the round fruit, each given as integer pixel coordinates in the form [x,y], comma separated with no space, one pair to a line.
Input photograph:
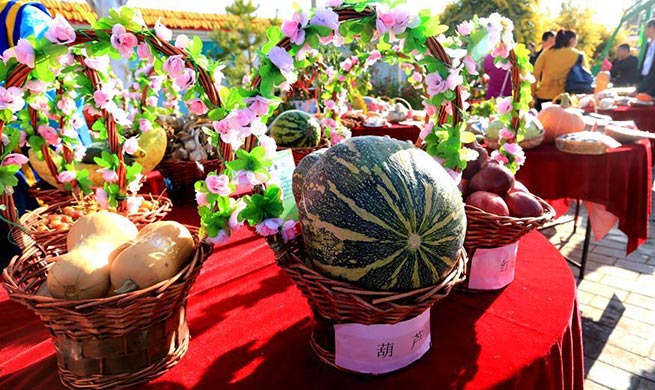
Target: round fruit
[523,205]
[493,178]
[301,170]
[561,119]
[489,202]
[472,167]
[113,227]
[381,214]
[296,129]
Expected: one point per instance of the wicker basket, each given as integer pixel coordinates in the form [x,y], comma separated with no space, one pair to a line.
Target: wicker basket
[300,153]
[531,143]
[182,175]
[337,302]
[108,343]
[46,195]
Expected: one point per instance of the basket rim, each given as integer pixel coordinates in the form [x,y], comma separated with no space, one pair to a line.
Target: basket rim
[548,214]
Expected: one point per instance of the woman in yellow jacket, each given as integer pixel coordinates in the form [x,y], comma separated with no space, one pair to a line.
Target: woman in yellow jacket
[553,67]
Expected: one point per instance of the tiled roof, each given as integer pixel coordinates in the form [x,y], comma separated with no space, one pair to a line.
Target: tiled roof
[179,20]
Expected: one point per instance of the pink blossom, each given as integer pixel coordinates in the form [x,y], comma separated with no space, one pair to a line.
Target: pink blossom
[144,125]
[325,17]
[131,145]
[269,145]
[471,66]
[40,103]
[186,79]
[289,231]
[454,79]
[465,28]
[100,63]
[11,99]
[60,31]
[156,83]
[174,66]
[404,19]
[133,204]
[144,53]
[504,105]
[496,155]
[220,238]
[102,97]
[334,3]
[430,110]
[123,41]
[101,198]
[502,50]
[282,60]
[373,58]
[151,101]
[69,132]
[163,32]
[427,130]
[512,148]
[293,28]
[67,177]
[23,139]
[234,222]
[79,152]
[506,133]
[417,77]
[24,52]
[249,178]
[338,137]
[201,198]
[259,105]
[197,106]
[66,105]
[66,60]
[257,127]
[14,159]
[347,64]
[218,184]
[436,84]
[49,134]
[385,20]
[108,175]
[182,41]
[36,86]
[269,227]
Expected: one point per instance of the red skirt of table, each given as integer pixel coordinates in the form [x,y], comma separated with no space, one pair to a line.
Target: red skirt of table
[620,180]
[644,117]
[250,328]
[403,132]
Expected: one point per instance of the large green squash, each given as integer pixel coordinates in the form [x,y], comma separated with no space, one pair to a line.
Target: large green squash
[296,129]
[381,214]
[301,171]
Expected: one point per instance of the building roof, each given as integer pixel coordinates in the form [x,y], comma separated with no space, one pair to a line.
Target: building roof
[178,20]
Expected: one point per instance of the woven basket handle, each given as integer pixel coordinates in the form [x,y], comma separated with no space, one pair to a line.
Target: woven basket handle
[516,90]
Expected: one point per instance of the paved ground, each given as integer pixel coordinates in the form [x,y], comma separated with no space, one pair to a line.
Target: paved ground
[617,303]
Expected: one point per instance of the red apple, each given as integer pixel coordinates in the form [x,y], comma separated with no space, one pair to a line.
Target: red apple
[464,187]
[522,205]
[489,202]
[518,186]
[473,167]
[493,178]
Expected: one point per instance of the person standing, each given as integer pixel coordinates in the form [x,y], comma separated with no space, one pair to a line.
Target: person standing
[547,41]
[553,67]
[625,68]
[500,83]
[647,82]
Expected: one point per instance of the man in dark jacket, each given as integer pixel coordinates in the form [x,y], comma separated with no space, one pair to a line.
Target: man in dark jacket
[547,41]
[625,68]
[647,83]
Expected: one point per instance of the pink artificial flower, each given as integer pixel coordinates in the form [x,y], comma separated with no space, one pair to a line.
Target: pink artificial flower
[66,105]
[49,134]
[465,28]
[373,58]
[385,20]
[496,155]
[506,133]
[454,79]
[336,137]
[144,125]
[245,80]
[23,139]
[470,65]
[24,52]
[11,99]
[79,152]
[259,105]
[14,159]
[417,77]
[334,3]
[36,86]
[220,238]
[156,83]
[289,231]
[69,132]
[294,28]
[151,101]
[197,106]
[108,175]
[218,184]
[60,31]
[269,227]
[102,97]
[346,65]
[504,105]
[182,41]
[66,60]
[404,19]
[512,148]
[40,103]
[257,127]
[436,84]
[67,177]
[269,145]
[133,204]
[430,110]
[186,79]
[325,17]
[144,53]
[123,41]
[174,66]
[234,223]
[163,32]
[101,198]
[282,60]
[100,63]
[502,50]
[131,145]
[249,178]
[427,130]
[201,198]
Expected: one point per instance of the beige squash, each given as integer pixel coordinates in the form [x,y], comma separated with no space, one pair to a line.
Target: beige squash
[157,254]
[114,227]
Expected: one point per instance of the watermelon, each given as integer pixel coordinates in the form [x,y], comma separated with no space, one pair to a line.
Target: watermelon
[381,214]
[301,170]
[296,129]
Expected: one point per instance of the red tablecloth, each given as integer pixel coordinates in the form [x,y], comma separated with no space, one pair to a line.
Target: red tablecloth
[250,329]
[620,180]
[644,117]
[398,131]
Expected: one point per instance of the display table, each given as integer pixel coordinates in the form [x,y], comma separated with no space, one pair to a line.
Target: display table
[644,117]
[619,180]
[402,131]
[250,329]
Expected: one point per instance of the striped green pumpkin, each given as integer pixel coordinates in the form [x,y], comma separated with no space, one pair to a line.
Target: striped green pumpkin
[381,214]
[296,129]
[301,170]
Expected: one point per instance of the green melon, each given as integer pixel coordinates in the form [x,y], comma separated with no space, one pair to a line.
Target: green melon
[382,214]
[296,129]
[301,170]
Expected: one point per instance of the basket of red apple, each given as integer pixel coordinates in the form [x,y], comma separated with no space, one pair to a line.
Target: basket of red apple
[499,211]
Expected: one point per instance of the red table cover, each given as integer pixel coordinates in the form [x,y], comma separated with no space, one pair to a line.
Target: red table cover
[644,117]
[250,329]
[620,180]
[403,132]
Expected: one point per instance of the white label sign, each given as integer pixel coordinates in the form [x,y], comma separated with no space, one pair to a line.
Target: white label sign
[493,268]
[378,349]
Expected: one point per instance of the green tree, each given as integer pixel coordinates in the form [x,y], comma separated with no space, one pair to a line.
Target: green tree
[240,38]
[521,12]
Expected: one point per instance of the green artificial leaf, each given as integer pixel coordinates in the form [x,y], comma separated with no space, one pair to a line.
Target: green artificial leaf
[195,47]
[8,176]
[36,142]
[275,35]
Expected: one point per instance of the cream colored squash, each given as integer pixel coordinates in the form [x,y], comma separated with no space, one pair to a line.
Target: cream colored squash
[116,229]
